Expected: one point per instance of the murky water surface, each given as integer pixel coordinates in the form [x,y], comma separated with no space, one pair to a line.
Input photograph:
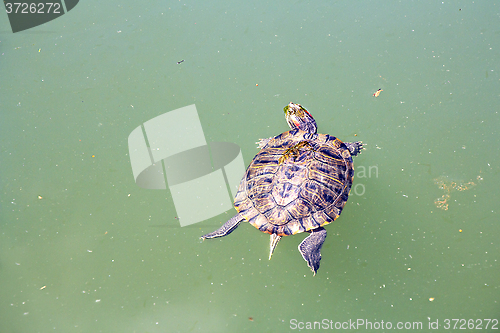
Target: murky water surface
[84,249]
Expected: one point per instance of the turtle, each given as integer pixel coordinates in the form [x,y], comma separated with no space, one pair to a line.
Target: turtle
[298,182]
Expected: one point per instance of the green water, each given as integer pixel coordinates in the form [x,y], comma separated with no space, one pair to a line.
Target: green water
[84,249]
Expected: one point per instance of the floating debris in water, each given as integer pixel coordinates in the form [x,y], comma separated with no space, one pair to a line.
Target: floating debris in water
[449,186]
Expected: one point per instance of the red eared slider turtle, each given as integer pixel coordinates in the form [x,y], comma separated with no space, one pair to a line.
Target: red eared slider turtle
[298,182]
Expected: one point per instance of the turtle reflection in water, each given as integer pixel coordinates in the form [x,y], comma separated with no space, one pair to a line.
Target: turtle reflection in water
[298,182]
[449,186]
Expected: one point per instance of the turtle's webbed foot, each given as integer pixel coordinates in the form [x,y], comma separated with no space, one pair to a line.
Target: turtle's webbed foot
[226,228]
[310,248]
[263,142]
[354,147]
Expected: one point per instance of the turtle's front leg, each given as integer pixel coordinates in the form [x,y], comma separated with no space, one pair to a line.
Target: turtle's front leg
[311,246]
[354,147]
[226,228]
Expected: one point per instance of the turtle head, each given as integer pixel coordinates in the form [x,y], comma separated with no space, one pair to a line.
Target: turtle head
[299,118]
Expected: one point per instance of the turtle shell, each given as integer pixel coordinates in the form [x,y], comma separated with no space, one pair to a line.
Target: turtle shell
[302,193]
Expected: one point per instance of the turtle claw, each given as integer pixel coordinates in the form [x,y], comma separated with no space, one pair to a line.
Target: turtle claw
[354,147]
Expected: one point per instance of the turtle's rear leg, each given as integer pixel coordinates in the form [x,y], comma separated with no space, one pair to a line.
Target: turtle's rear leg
[311,246]
[226,228]
[354,147]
